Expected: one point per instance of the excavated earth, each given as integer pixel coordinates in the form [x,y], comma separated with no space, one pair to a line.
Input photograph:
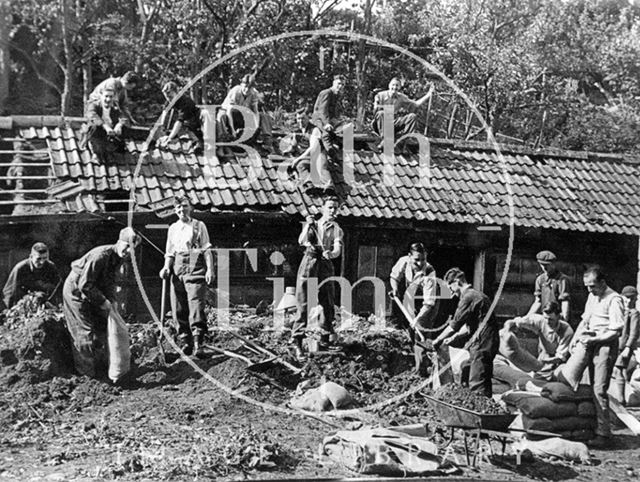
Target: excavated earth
[212,418]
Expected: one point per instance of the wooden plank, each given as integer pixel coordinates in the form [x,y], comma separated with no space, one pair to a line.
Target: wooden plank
[23,191]
[22,178]
[18,202]
[623,414]
[35,151]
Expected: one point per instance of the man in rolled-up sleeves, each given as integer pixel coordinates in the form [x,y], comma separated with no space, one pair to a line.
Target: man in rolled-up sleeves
[601,326]
[189,264]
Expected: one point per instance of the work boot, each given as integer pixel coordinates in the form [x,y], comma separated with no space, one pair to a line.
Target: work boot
[185,343]
[198,345]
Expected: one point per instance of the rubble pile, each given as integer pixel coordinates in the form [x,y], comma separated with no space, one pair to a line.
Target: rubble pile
[34,344]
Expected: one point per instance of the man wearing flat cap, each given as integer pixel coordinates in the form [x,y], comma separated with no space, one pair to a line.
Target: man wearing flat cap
[628,342]
[242,101]
[551,285]
[88,296]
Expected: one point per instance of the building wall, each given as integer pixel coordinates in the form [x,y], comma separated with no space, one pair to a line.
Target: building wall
[370,250]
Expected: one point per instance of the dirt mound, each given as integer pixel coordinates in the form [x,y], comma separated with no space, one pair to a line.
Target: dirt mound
[34,344]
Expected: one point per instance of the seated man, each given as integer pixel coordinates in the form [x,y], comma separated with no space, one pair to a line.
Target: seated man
[554,339]
[31,275]
[183,116]
[404,121]
[232,119]
[313,164]
[106,123]
[121,87]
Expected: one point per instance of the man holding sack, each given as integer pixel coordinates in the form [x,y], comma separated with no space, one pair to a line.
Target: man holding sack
[88,304]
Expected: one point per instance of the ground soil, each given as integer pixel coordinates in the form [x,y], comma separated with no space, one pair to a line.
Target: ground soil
[182,421]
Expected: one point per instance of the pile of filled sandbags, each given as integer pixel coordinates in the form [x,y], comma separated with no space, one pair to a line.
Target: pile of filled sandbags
[556,409]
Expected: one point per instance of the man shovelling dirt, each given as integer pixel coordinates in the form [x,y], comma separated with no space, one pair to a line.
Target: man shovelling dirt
[88,302]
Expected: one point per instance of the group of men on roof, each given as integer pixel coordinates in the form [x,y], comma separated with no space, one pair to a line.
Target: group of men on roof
[109,116]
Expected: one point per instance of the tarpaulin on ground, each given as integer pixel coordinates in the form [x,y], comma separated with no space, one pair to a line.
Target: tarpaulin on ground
[383,452]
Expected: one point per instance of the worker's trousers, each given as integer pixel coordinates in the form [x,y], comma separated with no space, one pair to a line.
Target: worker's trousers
[87,325]
[602,361]
[482,351]
[188,295]
[314,265]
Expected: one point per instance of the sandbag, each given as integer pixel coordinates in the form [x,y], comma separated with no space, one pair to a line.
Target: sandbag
[328,396]
[507,374]
[586,409]
[510,348]
[118,344]
[558,425]
[559,392]
[382,452]
[579,435]
[555,447]
[571,372]
[516,397]
[539,407]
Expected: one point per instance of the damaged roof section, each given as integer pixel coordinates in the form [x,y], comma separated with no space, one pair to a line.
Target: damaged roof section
[464,182]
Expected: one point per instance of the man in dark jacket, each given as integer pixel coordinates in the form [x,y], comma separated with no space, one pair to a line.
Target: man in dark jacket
[88,294]
[104,132]
[31,275]
[183,116]
[470,322]
[326,114]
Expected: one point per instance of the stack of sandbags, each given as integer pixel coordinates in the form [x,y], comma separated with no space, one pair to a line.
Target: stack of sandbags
[557,409]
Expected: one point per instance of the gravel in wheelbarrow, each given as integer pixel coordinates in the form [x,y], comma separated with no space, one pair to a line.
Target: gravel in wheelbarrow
[482,412]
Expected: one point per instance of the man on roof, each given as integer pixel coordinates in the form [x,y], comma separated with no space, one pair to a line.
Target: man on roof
[551,285]
[104,132]
[88,295]
[121,87]
[183,118]
[404,120]
[36,274]
[327,115]
[232,119]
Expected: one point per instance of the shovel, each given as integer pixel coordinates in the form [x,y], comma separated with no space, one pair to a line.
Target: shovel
[263,351]
[422,342]
[163,309]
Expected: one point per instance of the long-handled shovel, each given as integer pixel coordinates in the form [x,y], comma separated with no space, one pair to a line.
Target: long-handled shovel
[163,309]
[422,342]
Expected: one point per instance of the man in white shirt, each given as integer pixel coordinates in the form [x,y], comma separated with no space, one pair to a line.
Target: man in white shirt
[554,338]
[323,241]
[413,281]
[189,263]
[599,330]
[404,121]
[232,119]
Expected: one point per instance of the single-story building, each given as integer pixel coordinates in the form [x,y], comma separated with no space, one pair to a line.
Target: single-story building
[476,207]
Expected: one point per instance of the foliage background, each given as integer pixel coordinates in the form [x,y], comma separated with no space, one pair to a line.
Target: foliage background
[545,73]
